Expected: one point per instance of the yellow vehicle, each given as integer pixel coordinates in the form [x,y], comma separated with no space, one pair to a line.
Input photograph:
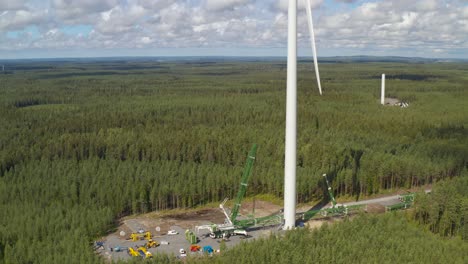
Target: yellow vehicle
[132,252]
[144,253]
[138,236]
[139,252]
[151,243]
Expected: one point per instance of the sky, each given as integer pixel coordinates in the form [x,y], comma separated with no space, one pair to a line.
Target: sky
[102,28]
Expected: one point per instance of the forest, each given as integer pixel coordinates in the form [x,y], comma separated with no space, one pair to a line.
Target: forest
[83,143]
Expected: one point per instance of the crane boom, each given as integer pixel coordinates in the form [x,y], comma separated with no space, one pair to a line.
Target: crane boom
[330,192]
[243,184]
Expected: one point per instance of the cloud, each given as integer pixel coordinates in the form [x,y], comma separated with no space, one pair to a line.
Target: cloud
[19,19]
[378,26]
[422,26]
[283,5]
[346,1]
[11,5]
[156,4]
[120,19]
[71,10]
[219,5]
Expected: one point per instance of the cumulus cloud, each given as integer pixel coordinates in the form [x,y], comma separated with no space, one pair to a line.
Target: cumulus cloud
[419,25]
[383,26]
[156,4]
[120,19]
[71,10]
[346,1]
[217,5]
[11,5]
[19,19]
[283,4]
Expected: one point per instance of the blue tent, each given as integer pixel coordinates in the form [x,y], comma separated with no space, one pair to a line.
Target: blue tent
[208,249]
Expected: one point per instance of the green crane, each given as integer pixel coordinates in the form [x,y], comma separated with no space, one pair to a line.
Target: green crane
[243,184]
[334,210]
[330,192]
[232,226]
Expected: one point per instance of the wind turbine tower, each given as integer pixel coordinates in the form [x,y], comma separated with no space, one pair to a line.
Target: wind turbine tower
[291,111]
[382,92]
[291,125]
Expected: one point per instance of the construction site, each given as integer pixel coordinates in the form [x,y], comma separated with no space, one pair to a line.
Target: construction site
[209,231]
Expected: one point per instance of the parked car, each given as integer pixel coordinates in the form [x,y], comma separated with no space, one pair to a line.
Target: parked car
[172,232]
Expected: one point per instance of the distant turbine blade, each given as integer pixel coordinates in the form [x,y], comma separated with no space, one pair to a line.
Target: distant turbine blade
[312,40]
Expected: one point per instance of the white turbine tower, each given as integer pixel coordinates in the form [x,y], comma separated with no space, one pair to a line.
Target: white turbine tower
[291,111]
[291,108]
[382,93]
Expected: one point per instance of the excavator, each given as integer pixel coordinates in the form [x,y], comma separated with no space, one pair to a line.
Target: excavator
[143,236]
[139,252]
[151,244]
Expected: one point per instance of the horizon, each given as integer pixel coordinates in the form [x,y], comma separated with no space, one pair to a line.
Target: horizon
[175,57]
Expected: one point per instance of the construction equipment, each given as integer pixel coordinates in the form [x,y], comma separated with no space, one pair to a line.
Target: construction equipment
[406,201]
[232,225]
[144,253]
[243,184]
[139,252]
[330,192]
[151,244]
[133,252]
[406,198]
[191,237]
[98,245]
[195,248]
[141,236]
[336,209]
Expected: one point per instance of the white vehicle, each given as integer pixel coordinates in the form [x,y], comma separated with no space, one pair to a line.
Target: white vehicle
[172,232]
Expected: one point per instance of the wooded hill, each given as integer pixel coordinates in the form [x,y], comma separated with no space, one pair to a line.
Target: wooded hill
[84,143]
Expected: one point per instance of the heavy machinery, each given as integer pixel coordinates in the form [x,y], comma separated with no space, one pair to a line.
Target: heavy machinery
[195,248]
[139,252]
[98,245]
[232,225]
[151,244]
[191,237]
[335,209]
[141,236]
[133,252]
[406,201]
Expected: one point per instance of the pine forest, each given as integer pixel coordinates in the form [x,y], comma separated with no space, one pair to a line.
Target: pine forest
[85,142]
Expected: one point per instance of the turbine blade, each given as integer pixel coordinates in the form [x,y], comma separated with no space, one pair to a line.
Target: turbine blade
[312,41]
